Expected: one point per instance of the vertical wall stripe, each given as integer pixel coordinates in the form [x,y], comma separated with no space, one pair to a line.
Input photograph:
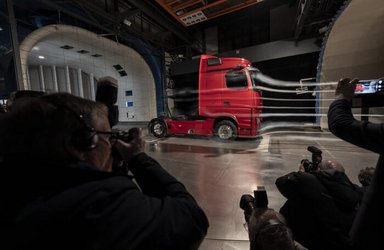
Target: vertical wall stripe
[80,83]
[41,78]
[92,86]
[54,75]
[68,79]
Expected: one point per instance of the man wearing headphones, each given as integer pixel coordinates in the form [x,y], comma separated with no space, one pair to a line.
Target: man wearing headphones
[58,190]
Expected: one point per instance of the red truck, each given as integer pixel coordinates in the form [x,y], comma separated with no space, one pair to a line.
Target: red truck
[220,99]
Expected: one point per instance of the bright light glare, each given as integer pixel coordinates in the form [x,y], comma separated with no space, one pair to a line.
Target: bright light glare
[41,57]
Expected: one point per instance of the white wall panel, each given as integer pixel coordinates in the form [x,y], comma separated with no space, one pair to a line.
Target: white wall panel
[48,40]
[354,49]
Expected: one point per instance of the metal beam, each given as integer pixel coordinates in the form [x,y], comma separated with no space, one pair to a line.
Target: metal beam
[152,11]
[15,45]
[303,8]
[93,23]
[95,9]
[128,14]
[77,16]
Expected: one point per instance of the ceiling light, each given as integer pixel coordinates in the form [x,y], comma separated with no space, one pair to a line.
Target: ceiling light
[117,67]
[194,18]
[66,47]
[323,29]
[41,57]
[83,51]
[127,22]
[122,73]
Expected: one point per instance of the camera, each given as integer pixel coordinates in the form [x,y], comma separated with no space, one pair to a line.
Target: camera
[259,200]
[106,93]
[123,135]
[119,166]
[316,159]
[127,135]
[308,166]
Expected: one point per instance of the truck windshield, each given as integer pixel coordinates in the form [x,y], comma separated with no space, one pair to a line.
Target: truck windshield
[253,73]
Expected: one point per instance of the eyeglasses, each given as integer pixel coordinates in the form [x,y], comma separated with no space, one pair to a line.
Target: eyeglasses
[112,135]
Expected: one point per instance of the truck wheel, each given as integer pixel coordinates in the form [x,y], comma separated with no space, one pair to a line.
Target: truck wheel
[158,128]
[226,130]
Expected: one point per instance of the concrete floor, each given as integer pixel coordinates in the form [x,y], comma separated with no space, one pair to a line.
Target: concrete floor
[218,173]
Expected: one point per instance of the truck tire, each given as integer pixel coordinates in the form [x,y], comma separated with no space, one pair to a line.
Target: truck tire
[158,128]
[226,130]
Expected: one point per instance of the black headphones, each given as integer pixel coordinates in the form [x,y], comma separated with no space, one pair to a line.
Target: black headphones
[83,139]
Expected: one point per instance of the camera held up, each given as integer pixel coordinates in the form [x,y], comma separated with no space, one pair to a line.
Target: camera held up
[316,159]
[249,203]
[119,166]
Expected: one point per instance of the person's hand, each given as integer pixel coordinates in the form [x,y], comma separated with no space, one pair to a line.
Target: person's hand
[346,88]
[301,168]
[366,175]
[134,146]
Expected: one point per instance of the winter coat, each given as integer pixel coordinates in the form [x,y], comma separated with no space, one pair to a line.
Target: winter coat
[320,208]
[368,226]
[78,207]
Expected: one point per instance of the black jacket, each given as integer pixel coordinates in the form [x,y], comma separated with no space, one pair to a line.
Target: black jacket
[368,226]
[320,208]
[79,207]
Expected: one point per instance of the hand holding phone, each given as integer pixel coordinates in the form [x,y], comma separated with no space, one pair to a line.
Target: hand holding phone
[346,88]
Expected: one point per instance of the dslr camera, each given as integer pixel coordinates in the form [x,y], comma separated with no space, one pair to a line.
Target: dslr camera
[119,166]
[316,159]
[259,200]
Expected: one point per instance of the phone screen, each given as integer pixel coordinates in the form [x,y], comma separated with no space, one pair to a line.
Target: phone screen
[369,87]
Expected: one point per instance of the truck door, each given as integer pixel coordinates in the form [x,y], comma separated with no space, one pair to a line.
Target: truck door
[210,91]
[237,98]
[236,92]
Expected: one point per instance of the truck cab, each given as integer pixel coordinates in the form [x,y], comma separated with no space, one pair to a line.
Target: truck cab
[220,99]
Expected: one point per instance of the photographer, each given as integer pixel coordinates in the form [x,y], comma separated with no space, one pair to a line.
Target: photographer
[321,205]
[267,229]
[308,166]
[368,225]
[58,191]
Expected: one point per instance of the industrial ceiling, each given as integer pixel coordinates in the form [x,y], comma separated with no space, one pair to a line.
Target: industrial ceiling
[170,24]
[190,12]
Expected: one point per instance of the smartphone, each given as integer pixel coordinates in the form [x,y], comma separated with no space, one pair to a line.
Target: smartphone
[369,87]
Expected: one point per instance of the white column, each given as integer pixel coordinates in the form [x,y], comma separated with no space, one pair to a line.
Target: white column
[54,75]
[80,83]
[41,78]
[92,86]
[67,79]
[28,80]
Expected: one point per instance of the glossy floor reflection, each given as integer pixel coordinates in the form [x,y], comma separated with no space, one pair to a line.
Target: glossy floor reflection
[218,173]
